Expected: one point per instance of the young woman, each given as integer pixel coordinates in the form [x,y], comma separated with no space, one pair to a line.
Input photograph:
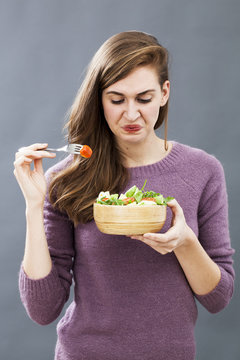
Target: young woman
[134,297]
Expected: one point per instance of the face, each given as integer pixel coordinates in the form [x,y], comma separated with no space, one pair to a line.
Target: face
[131,105]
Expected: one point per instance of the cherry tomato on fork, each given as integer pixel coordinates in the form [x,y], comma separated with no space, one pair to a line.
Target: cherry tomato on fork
[86,151]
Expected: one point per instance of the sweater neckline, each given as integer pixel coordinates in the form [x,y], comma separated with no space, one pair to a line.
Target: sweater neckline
[162,166]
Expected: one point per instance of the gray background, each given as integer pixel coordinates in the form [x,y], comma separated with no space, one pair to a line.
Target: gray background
[45,46]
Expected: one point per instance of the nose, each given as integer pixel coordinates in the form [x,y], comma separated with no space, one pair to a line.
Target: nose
[132,111]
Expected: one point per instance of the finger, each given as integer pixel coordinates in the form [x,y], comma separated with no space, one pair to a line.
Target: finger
[164,252]
[136,237]
[163,248]
[163,237]
[21,161]
[159,247]
[155,236]
[38,166]
[36,146]
[19,164]
[145,240]
[34,154]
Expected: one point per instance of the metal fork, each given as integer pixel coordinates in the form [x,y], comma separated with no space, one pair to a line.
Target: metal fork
[70,148]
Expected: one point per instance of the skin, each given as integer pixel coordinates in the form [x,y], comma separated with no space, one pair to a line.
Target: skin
[202,273]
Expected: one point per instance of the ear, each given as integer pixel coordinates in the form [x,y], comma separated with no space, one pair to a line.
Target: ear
[165,92]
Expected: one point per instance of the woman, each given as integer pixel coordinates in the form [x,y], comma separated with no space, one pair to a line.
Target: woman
[134,297]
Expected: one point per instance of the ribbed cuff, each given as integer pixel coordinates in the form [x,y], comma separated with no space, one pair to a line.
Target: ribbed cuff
[220,296]
[39,288]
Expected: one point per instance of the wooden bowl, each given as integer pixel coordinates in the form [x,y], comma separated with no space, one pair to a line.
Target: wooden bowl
[129,220]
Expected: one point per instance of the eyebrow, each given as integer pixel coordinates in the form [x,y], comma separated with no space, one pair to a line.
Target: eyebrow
[141,93]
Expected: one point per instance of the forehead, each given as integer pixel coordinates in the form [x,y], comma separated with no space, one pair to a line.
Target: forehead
[139,80]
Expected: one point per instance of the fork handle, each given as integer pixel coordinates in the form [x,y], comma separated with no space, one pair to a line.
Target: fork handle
[50,149]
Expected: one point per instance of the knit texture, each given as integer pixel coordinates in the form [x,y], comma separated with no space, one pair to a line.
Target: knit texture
[131,302]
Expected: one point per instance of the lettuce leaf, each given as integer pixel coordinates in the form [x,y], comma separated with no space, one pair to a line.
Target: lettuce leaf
[114,199]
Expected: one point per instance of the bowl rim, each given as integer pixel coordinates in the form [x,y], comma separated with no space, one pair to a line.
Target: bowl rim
[130,206]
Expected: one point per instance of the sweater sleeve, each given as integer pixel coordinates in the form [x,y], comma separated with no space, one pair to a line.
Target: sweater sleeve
[44,298]
[214,237]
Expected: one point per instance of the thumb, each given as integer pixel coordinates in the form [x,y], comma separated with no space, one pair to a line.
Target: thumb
[175,207]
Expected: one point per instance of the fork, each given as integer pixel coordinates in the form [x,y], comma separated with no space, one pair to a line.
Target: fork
[70,148]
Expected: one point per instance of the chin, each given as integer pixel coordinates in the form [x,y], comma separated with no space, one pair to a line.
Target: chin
[133,139]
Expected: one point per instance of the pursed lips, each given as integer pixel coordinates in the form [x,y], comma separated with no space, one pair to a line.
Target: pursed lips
[132,128]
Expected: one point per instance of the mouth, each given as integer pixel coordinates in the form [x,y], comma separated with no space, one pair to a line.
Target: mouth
[132,128]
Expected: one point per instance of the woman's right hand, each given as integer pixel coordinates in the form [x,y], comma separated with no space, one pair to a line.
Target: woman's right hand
[32,182]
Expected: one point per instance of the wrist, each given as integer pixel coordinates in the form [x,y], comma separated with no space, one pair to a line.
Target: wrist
[34,207]
[191,238]
[189,242]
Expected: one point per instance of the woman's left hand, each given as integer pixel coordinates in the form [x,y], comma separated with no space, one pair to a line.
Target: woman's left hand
[178,235]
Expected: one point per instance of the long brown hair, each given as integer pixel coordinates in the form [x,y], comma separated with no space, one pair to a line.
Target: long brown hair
[74,189]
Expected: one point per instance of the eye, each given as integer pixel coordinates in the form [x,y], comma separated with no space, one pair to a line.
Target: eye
[144,101]
[117,102]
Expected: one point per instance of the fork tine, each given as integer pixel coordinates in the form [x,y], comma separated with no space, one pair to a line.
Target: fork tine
[75,152]
[75,146]
[78,147]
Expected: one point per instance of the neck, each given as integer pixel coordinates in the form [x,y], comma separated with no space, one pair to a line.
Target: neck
[140,154]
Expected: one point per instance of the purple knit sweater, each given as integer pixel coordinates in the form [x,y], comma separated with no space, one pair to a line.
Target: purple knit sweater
[131,302]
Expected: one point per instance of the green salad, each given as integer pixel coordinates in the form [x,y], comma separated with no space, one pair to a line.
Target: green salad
[133,196]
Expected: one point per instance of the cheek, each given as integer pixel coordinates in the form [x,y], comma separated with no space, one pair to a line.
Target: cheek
[111,113]
[152,113]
